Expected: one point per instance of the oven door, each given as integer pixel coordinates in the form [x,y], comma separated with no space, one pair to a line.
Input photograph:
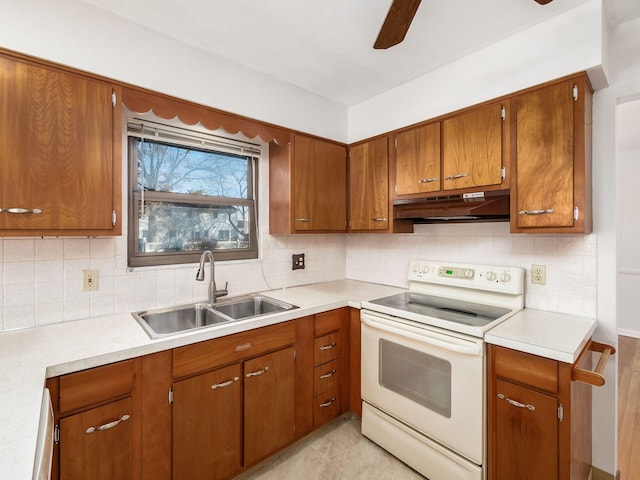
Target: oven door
[428,378]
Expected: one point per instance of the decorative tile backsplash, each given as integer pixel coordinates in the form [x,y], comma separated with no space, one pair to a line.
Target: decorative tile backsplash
[41,279]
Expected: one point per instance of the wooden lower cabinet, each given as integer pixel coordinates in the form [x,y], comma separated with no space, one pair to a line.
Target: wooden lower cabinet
[98,418]
[207,425]
[539,419]
[268,404]
[97,443]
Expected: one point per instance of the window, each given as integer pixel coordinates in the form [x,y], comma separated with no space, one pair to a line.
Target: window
[189,192]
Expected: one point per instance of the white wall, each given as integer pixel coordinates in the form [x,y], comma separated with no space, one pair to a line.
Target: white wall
[80,35]
[629,231]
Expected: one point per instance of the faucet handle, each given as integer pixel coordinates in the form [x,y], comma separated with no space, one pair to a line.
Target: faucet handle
[224,292]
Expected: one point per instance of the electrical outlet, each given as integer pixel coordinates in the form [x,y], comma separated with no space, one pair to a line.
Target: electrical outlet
[539,274]
[89,280]
[297,261]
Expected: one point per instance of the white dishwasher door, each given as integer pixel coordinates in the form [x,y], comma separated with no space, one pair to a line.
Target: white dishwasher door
[44,446]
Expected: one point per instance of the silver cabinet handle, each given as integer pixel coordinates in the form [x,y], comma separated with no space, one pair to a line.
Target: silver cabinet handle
[328,374]
[428,180]
[327,403]
[535,212]
[303,219]
[456,176]
[22,210]
[224,384]
[243,347]
[379,219]
[516,403]
[256,373]
[107,426]
[328,347]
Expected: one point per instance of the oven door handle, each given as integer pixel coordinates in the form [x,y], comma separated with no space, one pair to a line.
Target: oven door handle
[425,336]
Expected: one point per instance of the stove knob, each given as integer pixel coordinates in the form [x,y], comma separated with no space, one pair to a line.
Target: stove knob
[468,273]
[425,269]
[491,275]
[505,277]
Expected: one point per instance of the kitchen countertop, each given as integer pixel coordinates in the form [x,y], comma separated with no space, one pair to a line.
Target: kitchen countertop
[28,357]
[552,335]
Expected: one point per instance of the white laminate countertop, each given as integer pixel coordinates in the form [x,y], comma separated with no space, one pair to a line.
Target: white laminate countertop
[552,335]
[28,357]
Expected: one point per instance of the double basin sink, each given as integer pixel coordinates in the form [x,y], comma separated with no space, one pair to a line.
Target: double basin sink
[172,320]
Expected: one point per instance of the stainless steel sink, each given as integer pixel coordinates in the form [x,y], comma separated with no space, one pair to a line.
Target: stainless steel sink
[172,320]
[252,306]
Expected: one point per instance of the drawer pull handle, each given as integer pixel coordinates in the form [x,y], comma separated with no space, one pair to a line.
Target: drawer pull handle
[428,180]
[456,176]
[379,219]
[256,373]
[303,219]
[516,403]
[535,212]
[243,347]
[21,210]
[328,374]
[328,403]
[107,426]
[224,384]
[328,347]
[594,377]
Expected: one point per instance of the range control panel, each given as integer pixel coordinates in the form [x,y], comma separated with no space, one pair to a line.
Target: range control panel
[495,278]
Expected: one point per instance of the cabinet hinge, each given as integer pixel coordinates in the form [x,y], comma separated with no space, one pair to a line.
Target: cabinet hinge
[395,188]
[114,218]
[575,93]
[113,99]
[294,354]
[503,113]
[395,143]
[576,214]
[171,396]
[560,412]
[56,434]
[503,173]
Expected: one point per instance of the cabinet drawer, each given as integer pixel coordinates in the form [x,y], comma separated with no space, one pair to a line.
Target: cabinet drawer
[97,385]
[325,377]
[202,356]
[526,369]
[326,348]
[328,321]
[326,407]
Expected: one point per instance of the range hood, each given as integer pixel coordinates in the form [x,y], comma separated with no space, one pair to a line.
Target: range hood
[490,206]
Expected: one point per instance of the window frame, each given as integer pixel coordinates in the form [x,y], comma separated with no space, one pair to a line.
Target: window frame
[138,259]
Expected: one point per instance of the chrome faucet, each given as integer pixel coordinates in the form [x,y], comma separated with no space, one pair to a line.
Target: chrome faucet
[214,293]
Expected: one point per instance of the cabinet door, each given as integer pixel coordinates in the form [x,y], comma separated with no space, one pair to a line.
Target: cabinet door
[545,157]
[56,149]
[320,185]
[418,160]
[97,444]
[207,425]
[268,404]
[369,186]
[526,440]
[472,148]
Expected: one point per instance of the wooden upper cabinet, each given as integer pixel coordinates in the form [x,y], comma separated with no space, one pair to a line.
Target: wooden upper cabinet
[369,186]
[418,160]
[552,191]
[59,152]
[472,148]
[307,186]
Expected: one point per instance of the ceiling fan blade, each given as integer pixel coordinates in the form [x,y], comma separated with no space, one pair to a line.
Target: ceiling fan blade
[544,2]
[397,23]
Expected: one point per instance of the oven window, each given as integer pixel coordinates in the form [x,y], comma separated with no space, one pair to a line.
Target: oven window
[415,375]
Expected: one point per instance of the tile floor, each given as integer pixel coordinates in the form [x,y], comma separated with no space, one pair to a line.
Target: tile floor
[338,451]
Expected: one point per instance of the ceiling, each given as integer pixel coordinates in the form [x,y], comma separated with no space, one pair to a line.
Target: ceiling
[326,47]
